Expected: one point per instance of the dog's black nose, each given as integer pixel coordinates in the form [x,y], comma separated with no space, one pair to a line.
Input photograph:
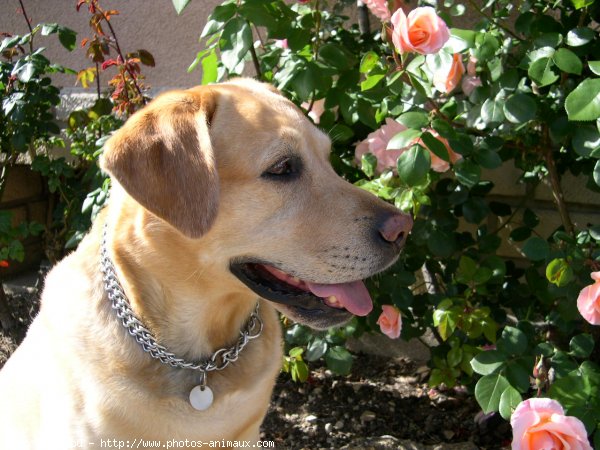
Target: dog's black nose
[395,227]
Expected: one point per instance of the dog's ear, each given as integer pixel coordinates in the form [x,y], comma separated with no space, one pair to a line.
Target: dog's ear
[164,159]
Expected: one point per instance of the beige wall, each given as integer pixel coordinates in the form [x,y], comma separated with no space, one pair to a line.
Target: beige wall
[152,25]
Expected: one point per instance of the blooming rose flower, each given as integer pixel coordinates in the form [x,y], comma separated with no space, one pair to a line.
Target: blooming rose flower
[471,81]
[390,321]
[318,108]
[588,301]
[540,423]
[281,43]
[423,31]
[437,163]
[447,78]
[376,143]
[379,8]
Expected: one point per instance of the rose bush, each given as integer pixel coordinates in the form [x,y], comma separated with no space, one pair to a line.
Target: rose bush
[411,125]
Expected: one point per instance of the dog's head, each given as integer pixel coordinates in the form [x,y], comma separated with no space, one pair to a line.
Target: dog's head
[238,170]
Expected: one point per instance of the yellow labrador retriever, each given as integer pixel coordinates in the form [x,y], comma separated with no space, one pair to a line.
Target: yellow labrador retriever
[163,325]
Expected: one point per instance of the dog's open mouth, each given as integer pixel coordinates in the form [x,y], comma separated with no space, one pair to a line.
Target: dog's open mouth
[277,286]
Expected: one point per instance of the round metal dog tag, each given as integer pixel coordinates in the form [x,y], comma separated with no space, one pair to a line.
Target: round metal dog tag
[201,397]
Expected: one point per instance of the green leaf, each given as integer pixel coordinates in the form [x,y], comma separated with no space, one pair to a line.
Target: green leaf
[567,61]
[371,81]
[368,164]
[596,173]
[339,360]
[488,362]
[467,268]
[594,67]
[368,62]
[541,72]
[336,56]
[581,346]
[180,5]
[512,342]
[414,119]
[316,349]
[509,400]
[296,352]
[146,58]
[403,139]
[579,36]
[299,370]
[26,72]
[210,68]
[518,375]
[49,28]
[583,103]
[236,40]
[520,108]
[488,392]
[492,111]
[559,272]
[488,159]
[445,321]
[435,146]
[586,140]
[413,165]
[578,4]
[340,133]
[68,38]
[467,172]
[536,249]
[455,355]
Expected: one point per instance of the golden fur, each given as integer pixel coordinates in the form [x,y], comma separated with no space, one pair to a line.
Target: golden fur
[187,199]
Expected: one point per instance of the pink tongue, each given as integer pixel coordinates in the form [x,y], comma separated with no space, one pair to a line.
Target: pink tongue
[352,296]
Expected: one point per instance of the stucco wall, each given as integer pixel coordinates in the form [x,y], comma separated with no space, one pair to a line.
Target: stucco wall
[152,25]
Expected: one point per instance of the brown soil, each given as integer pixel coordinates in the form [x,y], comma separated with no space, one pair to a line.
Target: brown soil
[383,404]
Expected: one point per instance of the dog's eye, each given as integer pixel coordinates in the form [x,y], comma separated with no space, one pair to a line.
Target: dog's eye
[282,169]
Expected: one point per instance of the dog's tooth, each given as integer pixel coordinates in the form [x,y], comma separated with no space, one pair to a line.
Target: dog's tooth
[332,300]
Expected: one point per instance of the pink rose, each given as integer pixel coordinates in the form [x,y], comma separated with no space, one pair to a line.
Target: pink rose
[471,81]
[390,321]
[376,143]
[423,31]
[379,8]
[318,108]
[281,43]
[437,163]
[446,79]
[540,423]
[588,301]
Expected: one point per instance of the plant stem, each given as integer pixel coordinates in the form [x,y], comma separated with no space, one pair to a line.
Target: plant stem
[255,60]
[120,53]
[28,25]
[555,185]
[98,93]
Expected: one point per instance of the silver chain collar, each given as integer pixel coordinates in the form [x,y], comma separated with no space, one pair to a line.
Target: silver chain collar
[217,361]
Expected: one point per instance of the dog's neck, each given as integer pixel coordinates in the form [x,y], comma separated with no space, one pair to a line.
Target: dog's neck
[172,288]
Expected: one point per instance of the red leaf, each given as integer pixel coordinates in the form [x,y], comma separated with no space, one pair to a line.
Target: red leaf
[110,62]
[4,263]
